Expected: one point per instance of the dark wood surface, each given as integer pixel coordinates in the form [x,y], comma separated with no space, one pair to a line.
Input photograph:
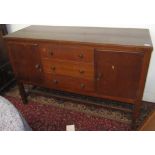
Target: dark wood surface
[63,52]
[6,73]
[26,62]
[120,36]
[69,83]
[3,29]
[112,65]
[68,68]
[3,54]
[120,70]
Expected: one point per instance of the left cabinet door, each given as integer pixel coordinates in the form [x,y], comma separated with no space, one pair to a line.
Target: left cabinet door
[25,59]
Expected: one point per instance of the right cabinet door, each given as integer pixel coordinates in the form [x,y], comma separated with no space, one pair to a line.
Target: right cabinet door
[118,73]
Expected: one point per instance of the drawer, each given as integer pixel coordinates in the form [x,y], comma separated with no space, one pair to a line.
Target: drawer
[68,68]
[67,53]
[68,83]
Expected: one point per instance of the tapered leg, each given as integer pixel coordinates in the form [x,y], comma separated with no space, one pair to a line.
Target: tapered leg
[136,114]
[22,92]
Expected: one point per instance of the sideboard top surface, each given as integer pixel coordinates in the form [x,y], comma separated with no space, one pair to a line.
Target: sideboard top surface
[97,35]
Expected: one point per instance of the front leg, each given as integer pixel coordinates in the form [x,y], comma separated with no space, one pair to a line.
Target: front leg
[136,114]
[22,92]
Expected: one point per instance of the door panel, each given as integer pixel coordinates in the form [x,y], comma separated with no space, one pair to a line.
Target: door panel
[118,73]
[26,61]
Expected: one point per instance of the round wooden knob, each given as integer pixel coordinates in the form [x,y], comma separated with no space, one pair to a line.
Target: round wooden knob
[53,68]
[55,81]
[82,85]
[81,71]
[81,56]
[37,66]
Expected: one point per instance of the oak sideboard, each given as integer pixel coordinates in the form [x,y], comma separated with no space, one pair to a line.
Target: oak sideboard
[107,63]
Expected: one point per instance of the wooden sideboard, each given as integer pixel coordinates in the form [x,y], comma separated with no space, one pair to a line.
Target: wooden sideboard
[108,63]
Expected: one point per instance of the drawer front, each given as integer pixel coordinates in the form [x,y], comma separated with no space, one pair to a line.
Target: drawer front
[69,68]
[67,52]
[68,83]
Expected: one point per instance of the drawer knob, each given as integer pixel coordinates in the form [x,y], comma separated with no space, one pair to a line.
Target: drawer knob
[53,68]
[81,71]
[55,81]
[81,56]
[82,85]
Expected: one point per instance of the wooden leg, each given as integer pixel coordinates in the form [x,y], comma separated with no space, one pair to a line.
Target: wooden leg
[22,92]
[136,113]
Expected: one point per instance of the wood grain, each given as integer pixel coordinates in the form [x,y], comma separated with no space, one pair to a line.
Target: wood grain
[70,83]
[73,53]
[119,73]
[68,68]
[98,35]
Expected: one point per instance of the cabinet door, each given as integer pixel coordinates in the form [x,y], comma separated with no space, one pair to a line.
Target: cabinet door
[25,59]
[118,73]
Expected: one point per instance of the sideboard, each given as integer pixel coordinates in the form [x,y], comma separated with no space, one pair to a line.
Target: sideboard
[108,63]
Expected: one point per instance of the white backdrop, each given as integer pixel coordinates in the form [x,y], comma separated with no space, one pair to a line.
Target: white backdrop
[101,13]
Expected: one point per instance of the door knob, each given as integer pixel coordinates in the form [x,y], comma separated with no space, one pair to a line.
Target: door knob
[99,76]
[81,56]
[37,66]
[55,81]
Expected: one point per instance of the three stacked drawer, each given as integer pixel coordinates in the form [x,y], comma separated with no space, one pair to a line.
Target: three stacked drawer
[68,68]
